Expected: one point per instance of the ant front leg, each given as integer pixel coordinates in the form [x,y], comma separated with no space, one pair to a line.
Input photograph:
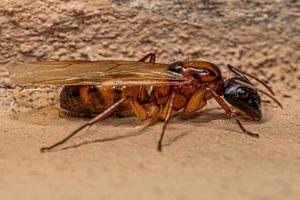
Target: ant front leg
[151,57]
[230,114]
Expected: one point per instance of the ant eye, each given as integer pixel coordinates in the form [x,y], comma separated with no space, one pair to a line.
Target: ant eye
[242,93]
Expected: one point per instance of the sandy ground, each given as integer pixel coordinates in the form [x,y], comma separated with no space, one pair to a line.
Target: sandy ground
[203,158]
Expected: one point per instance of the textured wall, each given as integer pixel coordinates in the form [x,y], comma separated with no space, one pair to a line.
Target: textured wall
[262,37]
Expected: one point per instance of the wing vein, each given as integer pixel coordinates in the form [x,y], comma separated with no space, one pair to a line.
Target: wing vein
[108,72]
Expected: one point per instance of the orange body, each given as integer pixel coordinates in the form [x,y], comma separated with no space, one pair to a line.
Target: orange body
[90,100]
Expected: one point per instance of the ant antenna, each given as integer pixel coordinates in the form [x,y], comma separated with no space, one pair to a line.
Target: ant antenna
[242,73]
[254,88]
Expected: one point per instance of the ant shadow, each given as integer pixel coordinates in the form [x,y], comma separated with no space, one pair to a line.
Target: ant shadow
[201,117]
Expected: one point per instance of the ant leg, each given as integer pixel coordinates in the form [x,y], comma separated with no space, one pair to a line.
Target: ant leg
[230,114]
[196,102]
[165,114]
[151,57]
[153,112]
[138,109]
[96,119]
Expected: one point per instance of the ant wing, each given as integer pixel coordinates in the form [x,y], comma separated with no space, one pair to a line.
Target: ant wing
[109,72]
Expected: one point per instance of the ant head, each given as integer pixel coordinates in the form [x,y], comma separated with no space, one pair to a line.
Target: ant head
[239,93]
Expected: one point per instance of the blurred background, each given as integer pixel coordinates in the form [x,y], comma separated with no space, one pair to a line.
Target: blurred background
[261,37]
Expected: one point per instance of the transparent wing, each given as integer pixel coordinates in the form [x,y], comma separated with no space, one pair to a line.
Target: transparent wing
[107,72]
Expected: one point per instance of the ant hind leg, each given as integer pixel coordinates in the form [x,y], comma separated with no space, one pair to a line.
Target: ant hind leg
[89,123]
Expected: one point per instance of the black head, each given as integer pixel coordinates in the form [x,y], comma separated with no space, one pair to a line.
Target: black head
[242,97]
